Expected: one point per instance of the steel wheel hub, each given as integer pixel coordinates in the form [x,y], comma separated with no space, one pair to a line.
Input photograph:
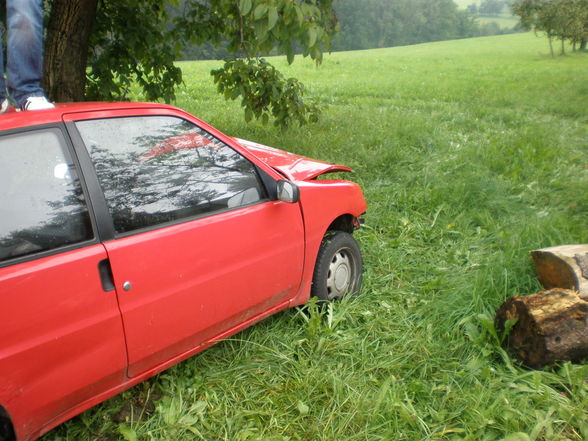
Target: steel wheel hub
[340,274]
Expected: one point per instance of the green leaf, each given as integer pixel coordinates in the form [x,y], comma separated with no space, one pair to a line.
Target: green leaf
[488,324]
[302,408]
[245,6]
[260,30]
[508,325]
[316,54]
[264,91]
[272,17]
[260,11]
[299,15]
[127,433]
[471,330]
[248,114]
[312,36]
[290,55]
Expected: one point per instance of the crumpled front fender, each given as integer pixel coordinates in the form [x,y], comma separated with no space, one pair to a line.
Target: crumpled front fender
[292,166]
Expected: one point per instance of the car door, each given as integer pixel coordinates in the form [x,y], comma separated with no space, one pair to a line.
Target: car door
[198,249]
[61,336]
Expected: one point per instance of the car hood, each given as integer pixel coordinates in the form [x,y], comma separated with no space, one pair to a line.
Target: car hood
[294,167]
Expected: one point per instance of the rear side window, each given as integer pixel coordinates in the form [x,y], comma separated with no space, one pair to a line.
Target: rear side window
[41,200]
[159,169]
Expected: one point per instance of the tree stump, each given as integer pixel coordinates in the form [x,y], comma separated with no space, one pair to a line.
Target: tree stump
[563,266]
[552,326]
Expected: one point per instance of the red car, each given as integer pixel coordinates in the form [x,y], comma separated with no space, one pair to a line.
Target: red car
[133,236]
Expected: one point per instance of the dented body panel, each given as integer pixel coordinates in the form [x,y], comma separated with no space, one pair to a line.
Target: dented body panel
[292,166]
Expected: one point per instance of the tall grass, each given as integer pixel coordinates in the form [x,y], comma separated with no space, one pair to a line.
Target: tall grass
[470,153]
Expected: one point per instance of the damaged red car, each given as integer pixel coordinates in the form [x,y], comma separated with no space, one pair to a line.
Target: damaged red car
[133,236]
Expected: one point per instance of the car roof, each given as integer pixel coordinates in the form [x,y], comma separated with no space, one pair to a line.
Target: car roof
[14,120]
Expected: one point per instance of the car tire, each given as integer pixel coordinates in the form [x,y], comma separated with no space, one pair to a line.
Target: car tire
[339,267]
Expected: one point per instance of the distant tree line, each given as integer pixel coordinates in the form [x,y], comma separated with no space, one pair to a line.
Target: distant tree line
[489,7]
[492,7]
[366,24]
[382,23]
[563,20]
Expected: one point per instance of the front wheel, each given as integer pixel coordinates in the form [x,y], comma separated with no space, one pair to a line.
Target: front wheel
[339,267]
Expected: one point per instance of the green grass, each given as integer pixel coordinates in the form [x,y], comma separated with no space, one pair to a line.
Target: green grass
[470,153]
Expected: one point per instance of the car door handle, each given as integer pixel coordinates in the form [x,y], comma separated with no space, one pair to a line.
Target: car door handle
[106,277]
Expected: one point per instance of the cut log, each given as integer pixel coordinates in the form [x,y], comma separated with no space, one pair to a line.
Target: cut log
[552,326]
[563,266]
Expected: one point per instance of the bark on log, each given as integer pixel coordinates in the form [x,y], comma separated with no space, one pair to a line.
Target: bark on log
[552,326]
[563,266]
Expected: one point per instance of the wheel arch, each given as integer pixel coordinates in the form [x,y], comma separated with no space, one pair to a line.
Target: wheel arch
[6,427]
[326,206]
[345,222]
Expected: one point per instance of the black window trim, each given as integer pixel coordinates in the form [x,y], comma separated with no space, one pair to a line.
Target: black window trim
[104,221]
[72,153]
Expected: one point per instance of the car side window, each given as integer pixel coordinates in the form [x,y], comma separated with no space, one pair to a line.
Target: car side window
[41,201]
[159,169]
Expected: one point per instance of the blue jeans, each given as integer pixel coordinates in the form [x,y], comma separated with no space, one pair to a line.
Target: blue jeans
[24,69]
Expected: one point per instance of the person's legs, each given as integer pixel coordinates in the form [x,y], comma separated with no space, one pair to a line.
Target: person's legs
[3,99]
[24,49]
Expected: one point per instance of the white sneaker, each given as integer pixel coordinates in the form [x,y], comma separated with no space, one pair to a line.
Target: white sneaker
[4,106]
[37,103]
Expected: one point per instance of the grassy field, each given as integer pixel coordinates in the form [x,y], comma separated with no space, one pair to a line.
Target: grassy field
[470,153]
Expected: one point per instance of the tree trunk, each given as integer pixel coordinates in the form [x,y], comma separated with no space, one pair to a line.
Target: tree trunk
[66,49]
[563,266]
[552,326]
[551,46]
[583,44]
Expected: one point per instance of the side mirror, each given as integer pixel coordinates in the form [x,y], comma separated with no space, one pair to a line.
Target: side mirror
[288,192]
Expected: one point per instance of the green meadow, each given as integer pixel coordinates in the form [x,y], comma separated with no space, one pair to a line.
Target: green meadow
[471,153]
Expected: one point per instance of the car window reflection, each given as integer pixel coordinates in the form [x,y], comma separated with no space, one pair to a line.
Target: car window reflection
[41,201]
[155,170]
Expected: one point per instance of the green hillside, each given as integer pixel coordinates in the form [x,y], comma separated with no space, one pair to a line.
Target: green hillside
[470,153]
